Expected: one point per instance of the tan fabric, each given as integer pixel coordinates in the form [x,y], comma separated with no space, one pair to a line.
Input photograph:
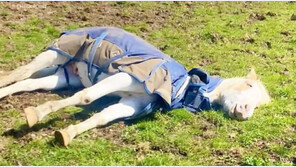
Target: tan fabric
[141,70]
[105,51]
[71,43]
[159,82]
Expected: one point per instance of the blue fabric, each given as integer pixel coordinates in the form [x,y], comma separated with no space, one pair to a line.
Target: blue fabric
[178,76]
[194,100]
[128,42]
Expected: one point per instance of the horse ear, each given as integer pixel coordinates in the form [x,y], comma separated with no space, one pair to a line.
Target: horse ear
[252,75]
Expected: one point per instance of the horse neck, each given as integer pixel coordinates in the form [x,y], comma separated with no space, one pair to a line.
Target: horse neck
[225,84]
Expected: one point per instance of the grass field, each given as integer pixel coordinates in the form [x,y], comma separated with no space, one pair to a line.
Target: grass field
[223,38]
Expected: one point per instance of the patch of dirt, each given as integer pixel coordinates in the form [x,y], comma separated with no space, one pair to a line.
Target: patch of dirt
[209,134]
[205,62]
[232,136]
[248,39]
[61,14]
[257,16]
[247,51]
[112,133]
[169,149]
[274,157]
[293,17]
[21,101]
[285,72]
[228,157]
[143,147]
[261,144]
[206,126]
[268,44]
[271,14]
[286,33]
[3,143]
[215,37]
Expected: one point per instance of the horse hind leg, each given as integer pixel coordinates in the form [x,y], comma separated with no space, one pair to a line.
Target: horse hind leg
[45,59]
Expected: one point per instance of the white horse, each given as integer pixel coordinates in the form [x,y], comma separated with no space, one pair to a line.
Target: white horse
[237,96]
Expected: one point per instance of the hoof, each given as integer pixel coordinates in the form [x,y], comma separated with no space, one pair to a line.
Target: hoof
[31,116]
[62,137]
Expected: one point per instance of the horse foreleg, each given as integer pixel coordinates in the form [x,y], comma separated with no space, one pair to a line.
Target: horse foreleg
[126,107]
[45,59]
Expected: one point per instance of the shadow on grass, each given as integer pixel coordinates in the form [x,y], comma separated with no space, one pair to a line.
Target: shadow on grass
[218,108]
[23,130]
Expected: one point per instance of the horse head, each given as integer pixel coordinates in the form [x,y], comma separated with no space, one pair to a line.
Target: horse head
[240,96]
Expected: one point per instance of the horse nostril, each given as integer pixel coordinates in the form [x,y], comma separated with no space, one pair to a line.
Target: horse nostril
[241,107]
[247,107]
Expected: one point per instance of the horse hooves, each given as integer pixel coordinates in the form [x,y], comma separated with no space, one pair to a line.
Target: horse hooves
[31,116]
[62,137]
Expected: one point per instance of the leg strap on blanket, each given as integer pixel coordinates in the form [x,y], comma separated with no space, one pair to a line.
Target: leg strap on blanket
[92,55]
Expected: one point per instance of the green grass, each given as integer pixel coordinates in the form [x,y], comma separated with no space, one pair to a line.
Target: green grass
[223,35]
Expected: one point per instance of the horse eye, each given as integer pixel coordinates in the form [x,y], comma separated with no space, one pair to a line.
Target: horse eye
[250,85]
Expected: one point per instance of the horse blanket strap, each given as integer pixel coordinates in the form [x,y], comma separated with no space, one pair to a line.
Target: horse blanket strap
[95,78]
[67,77]
[155,68]
[65,72]
[106,64]
[80,52]
[71,58]
[92,54]
[60,52]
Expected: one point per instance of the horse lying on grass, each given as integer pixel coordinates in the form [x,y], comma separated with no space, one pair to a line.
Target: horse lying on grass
[106,61]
